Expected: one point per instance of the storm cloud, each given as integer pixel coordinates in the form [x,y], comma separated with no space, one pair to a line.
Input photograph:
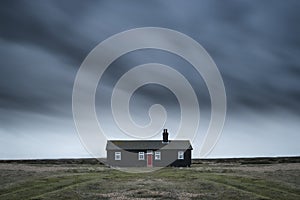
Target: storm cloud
[255,45]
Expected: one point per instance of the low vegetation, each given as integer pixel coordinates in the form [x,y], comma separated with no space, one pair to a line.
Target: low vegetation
[204,180]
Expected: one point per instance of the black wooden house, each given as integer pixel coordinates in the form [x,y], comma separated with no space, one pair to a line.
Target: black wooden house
[149,153]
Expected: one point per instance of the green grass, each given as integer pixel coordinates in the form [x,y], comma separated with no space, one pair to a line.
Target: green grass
[198,182]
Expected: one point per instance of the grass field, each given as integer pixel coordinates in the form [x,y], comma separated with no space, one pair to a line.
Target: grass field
[204,180]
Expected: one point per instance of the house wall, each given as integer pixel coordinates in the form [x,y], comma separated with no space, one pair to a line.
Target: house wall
[186,162]
[130,158]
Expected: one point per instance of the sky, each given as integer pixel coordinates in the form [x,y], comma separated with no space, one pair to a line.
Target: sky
[255,44]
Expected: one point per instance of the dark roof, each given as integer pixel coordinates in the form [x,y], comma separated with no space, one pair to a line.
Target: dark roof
[147,144]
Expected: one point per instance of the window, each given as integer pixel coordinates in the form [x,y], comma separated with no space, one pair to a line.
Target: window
[180,155]
[141,156]
[117,155]
[157,155]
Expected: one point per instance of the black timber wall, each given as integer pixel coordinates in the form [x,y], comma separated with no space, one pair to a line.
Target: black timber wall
[130,158]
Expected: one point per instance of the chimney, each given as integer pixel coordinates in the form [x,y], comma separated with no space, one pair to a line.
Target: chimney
[165,136]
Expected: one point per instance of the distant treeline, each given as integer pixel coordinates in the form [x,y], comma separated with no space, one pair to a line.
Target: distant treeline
[55,161]
[257,160]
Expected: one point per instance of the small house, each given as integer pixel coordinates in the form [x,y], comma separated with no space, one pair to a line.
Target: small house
[149,153]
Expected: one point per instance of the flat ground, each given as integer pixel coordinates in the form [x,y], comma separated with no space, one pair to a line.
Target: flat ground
[204,180]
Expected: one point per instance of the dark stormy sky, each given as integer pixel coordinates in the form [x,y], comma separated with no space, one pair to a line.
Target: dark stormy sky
[255,44]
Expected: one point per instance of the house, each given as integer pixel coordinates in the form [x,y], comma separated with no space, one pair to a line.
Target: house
[149,153]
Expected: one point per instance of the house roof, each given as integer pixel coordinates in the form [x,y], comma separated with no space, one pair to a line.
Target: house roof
[147,144]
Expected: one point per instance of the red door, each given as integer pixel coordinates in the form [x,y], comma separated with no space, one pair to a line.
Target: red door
[149,159]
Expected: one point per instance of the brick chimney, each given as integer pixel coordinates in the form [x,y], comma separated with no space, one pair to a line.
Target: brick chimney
[165,136]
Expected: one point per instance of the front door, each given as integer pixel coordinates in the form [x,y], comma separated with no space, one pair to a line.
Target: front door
[149,158]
